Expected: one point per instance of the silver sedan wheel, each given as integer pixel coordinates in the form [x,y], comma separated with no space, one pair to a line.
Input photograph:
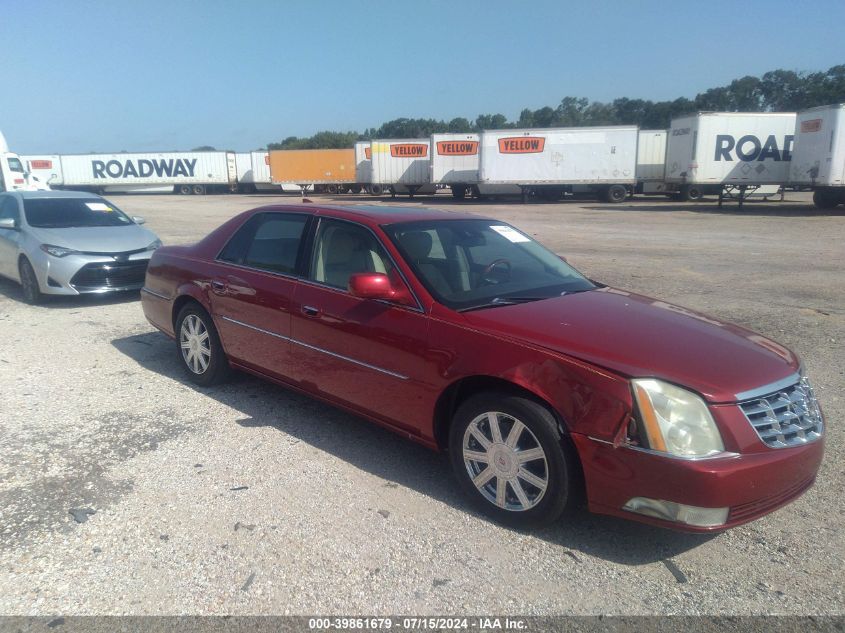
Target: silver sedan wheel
[195,344]
[505,461]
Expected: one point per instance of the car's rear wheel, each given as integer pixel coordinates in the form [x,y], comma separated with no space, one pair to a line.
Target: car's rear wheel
[508,456]
[199,347]
[29,283]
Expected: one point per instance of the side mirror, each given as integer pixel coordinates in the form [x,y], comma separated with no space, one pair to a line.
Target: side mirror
[378,286]
[137,219]
[371,286]
[7,223]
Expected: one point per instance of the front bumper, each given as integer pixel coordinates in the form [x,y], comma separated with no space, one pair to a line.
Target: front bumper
[750,484]
[80,273]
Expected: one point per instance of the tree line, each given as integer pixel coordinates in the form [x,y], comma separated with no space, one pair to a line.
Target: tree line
[775,91]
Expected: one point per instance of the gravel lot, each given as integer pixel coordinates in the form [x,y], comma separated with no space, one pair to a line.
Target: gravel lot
[249,499]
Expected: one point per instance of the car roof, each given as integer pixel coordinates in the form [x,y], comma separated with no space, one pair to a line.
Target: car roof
[376,214]
[27,195]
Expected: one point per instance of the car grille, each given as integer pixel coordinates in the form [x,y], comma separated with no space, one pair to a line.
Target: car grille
[111,275]
[790,417]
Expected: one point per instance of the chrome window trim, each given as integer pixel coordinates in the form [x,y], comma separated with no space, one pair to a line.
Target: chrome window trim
[317,349]
[767,389]
[275,273]
[684,458]
[154,293]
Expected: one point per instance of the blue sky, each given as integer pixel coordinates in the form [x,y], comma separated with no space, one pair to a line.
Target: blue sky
[154,75]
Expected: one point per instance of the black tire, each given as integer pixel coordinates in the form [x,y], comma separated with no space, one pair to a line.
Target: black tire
[616,194]
[217,369]
[459,192]
[332,189]
[184,190]
[29,283]
[198,190]
[556,468]
[824,199]
[691,193]
[375,190]
[354,188]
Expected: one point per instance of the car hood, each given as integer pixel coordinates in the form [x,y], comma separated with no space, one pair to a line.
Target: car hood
[97,239]
[642,337]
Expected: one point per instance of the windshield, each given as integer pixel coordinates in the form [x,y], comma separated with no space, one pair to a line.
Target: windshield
[473,263]
[63,213]
[15,165]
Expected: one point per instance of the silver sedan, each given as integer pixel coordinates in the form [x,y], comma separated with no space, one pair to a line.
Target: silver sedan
[71,243]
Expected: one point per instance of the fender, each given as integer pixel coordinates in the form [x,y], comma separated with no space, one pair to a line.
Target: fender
[590,400]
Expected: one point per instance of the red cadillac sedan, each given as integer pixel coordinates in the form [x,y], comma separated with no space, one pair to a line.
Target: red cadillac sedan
[466,335]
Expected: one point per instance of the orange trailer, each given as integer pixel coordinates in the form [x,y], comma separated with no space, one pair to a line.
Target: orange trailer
[330,167]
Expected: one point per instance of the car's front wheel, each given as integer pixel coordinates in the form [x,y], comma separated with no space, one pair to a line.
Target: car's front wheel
[508,456]
[29,283]
[199,348]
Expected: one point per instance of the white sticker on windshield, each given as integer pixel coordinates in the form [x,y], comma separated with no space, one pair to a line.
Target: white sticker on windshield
[510,234]
[98,206]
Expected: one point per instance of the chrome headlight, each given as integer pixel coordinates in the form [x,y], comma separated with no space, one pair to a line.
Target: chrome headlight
[57,251]
[154,245]
[675,420]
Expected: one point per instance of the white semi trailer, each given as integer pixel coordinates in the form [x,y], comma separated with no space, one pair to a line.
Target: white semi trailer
[402,166]
[456,163]
[651,162]
[818,158]
[550,162]
[364,168]
[728,153]
[180,172]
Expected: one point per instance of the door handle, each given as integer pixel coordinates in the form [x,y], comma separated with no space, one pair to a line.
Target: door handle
[218,286]
[310,311]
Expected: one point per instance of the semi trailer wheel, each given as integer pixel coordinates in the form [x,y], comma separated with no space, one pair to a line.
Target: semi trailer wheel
[185,190]
[616,194]
[376,190]
[825,199]
[198,190]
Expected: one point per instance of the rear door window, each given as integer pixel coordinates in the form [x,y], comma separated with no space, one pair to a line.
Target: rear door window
[268,241]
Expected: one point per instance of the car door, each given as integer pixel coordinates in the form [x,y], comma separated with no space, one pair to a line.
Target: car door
[252,288]
[9,238]
[365,353]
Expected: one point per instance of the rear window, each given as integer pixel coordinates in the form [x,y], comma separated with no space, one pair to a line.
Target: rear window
[64,213]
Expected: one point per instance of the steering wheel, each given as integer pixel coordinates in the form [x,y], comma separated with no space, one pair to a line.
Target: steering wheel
[491,267]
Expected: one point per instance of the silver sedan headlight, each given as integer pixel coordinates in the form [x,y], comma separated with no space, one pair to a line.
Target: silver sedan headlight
[57,251]
[154,245]
[675,420]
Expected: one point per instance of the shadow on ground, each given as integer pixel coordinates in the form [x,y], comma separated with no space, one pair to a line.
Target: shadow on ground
[12,290]
[381,453]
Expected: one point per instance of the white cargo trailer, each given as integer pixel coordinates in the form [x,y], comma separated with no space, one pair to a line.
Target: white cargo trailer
[818,159]
[728,153]
[456,162]
[364,168]
[180,172]
[651,162]
[549,162]
[402,165]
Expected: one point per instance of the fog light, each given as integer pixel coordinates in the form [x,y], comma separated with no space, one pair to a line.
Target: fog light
[677,512]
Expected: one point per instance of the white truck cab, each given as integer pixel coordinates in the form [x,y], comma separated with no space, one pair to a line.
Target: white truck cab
[13,175]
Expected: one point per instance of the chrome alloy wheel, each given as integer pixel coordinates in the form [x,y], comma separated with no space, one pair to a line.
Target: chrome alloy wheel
[505,461]
[195,344]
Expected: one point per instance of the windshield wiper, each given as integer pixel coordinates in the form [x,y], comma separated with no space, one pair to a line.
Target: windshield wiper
[502,301]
